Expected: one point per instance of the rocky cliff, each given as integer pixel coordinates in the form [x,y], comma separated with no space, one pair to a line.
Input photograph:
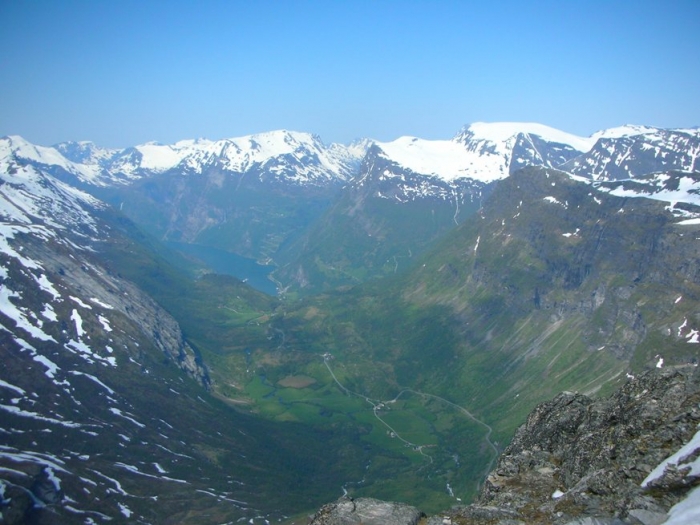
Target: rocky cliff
[580,461]
[578,458]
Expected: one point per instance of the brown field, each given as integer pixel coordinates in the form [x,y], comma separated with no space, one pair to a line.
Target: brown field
[296,381]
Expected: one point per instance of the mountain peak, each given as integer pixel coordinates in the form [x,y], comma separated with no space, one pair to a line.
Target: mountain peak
[486,151]
[627,130]
[499,132]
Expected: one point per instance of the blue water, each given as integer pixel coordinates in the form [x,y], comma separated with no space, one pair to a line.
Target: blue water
[227,263]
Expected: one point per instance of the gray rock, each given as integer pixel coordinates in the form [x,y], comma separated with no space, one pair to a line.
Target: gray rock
[596,521]
[647,517]
[598,452]
[366,511]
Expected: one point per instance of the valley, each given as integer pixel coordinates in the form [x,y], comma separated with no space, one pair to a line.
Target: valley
[417,300]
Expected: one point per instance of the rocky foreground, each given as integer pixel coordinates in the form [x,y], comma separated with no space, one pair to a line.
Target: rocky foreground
[579,461]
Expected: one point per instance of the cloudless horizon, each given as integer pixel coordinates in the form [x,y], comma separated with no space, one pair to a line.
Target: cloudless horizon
[127,72]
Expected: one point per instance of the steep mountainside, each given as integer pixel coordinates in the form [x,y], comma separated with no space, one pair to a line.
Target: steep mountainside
[633,152]
[505,286]
[104,407]
[381,221]
[410,192]
[554,269]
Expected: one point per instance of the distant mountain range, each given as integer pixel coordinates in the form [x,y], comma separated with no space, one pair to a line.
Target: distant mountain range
[482,151]
[271,196]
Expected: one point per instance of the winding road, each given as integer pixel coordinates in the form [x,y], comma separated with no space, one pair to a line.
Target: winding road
[378,404]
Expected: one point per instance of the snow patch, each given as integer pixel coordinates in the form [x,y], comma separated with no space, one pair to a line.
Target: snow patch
[105,323]
[49,313]
[55,480]
[17,389]
[126,512]
[80,302]
[679,460]
[8,308]
[47,286]
[94,379]
[102,304]
[75,317]
[686,512]
[554,200]
[119,413]
[33,415]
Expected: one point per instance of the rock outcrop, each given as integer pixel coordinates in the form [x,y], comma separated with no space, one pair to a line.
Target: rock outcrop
[582,461]
[366,511]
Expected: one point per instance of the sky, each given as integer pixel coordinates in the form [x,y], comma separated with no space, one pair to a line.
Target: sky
[121,73]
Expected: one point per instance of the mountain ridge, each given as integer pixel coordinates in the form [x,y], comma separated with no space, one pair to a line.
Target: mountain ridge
[240,153]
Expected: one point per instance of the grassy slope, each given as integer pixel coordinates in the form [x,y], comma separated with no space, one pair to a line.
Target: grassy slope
[364,237]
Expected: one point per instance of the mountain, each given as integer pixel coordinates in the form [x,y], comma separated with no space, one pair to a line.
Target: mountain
[630,152]
[247,196]
[285,155]
[328,216]
[479,153]
[498,149]
[630,457]
[105,405]
[50,159]
[385,217]
[410,192]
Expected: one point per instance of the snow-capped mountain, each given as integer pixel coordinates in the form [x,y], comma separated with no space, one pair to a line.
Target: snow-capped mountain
[104,415]
[498,149]
[48,158]
[634,151]
[283,155]
[255,189]
[478,155]
[485,151]
[260,194]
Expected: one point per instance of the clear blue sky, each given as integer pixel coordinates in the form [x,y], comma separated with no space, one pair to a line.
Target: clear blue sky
[124,72]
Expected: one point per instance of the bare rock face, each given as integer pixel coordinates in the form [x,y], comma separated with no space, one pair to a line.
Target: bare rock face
[366,511]
[578,461]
